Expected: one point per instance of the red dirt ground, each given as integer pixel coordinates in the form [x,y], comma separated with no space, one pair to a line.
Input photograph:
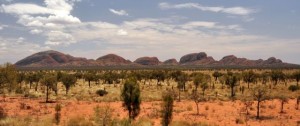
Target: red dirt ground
[223,113]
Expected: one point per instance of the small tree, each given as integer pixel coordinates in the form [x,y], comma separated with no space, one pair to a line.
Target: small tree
[167,108]
[180,86]
[283,99]
[38,77]
[103,115]
[259,93]
[248,103]
[249,77]
[264,77]
[31,78]
[89,77]
[296,76]
[68,81]
[49,81]
[8,77]
[276,76]
[159,76]
[20,78]
[57,114]
[131,98]
[197,98]
[204,86]
[59,76]
[231,80]
[216,75]
[201,79]
[3,113]
[297,102]
[182,78]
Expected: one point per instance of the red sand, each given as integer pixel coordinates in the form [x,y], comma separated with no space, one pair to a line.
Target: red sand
[214,112]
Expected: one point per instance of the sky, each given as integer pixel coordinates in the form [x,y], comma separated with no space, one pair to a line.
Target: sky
[256,29]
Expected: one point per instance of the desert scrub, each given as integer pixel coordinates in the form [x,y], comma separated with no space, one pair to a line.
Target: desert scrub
[101,92]
[185,123]
[293,88]
[26,121]
[143,122]
[239,121]
[189,108]
[57,114]
[206,107]
[3,114]
[79,121]
[103,115]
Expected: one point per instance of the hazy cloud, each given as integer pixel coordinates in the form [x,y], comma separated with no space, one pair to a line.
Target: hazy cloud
[119,12]
[231,10]
[36,31]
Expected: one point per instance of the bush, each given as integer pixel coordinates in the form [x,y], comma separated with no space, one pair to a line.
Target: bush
[103,115]
[239,121]
[57,114]
[190,108]
[101,92]
[294,88]
[19,91]
[2,113]
[78,121]
[167,108]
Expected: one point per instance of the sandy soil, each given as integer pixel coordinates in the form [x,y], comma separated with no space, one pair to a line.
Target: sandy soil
[223,113]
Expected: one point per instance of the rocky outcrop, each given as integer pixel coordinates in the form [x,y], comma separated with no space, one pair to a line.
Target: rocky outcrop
[170,62]
[272,60]
[147,61]
[192,57]
[53,58]
[50,58]
[112,59]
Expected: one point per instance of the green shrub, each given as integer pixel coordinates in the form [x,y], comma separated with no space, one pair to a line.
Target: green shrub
[294,88]
[101,92]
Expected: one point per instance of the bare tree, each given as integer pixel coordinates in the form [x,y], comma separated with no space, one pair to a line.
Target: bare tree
[283,99]
[259,93]
[197,98]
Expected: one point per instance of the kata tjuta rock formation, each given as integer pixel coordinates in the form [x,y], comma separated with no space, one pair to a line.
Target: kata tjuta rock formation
[147,61]
[57,59]
[112,59]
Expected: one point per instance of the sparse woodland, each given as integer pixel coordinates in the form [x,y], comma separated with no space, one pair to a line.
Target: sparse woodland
[149,97]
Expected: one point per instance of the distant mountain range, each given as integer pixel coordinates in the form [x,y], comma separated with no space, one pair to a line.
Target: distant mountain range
[53,58]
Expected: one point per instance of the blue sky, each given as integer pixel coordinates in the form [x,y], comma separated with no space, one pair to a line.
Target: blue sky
[167,29]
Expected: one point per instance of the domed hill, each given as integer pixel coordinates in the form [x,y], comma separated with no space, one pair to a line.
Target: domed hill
[147,61]
[203,60]
[112,59]
[170,62]
[50,58]
[196,59]
[232,60]
[272,60]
